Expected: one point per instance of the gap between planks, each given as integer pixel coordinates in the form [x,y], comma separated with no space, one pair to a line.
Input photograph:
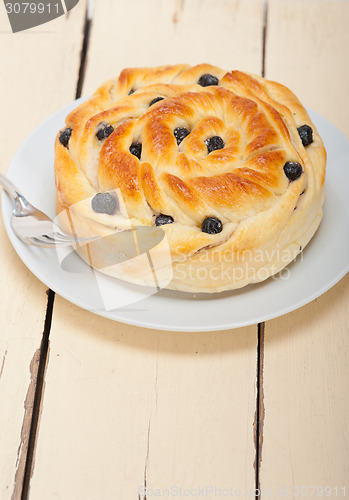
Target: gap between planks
[40,383]
[32,405]
[36,387]
[264,35]
[260,410]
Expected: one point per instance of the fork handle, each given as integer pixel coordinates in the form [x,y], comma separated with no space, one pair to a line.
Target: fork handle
[10,187]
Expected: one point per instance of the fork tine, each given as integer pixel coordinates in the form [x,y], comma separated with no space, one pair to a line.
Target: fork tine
[40,242]
[57,237]
[56,240]
[45,242]
[66,237]
[73,239]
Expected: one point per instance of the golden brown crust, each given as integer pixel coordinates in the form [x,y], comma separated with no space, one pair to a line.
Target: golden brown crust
[244,184]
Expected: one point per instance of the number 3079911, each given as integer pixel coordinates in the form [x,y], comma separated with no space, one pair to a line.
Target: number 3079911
[32,8]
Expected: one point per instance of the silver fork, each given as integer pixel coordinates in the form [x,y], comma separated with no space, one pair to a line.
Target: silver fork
[33,226]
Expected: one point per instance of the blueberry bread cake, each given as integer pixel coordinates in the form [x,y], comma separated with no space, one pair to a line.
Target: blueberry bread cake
[228,164]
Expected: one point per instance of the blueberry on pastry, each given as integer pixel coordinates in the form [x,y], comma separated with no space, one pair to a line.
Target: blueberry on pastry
[64,136]
[104,131]
[136,149]
[104,203]
[214,143]
[306,134]
[163,219]
[156,99]
[180,133]
[206,80]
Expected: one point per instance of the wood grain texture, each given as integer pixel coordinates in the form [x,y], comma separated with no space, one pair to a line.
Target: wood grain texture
[226,33]
[124,406]
[131,405]
[306,393]
[36,80]
[307,46]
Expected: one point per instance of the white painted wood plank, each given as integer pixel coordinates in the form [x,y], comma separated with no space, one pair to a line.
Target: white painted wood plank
[121,399]
[226,33]
[201,418]
[306,396]
[39,69]
[306,392]
[307,47]
[123,404]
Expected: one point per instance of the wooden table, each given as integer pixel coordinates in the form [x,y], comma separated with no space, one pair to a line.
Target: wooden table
[92,409]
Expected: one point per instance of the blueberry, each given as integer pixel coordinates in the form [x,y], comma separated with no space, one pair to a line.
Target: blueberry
[214,143]
[180,133]
[211,225]
[157,99]
[105,203]
[64,136]
[104,131]
[293,170]
[131,91]
[206,80]
[306,134]
[163,219]
[136,149]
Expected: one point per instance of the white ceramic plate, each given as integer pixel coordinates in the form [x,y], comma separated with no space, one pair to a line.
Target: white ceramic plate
[322,264]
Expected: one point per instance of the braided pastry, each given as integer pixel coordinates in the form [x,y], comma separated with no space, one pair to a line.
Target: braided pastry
[227,163]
